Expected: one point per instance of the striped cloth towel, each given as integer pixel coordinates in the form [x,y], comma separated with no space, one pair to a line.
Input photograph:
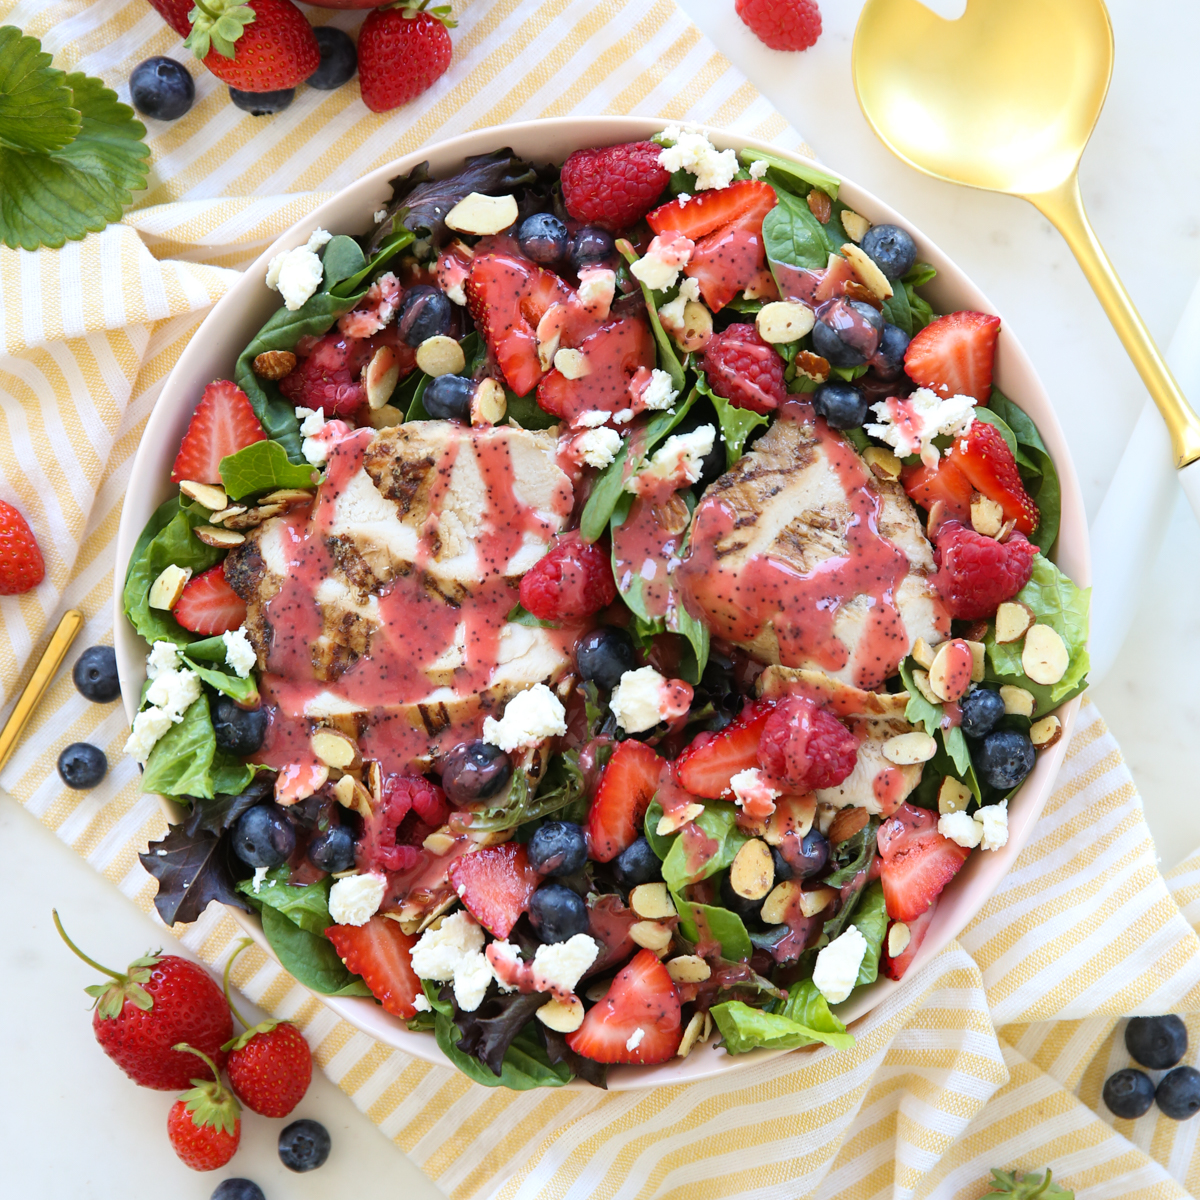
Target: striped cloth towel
[993,1055]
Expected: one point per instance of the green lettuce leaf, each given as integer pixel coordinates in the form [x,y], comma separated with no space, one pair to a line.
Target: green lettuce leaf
[388,248]
[658,843]
[871,921]
[704,922]
[307,906]
[341,259]
[1034,463]
[179,764]
[668,360]
[309,958]
[953,756]
[744,1028]
[808,173]
[905,308]
[793,236]
[718,822]
[261,467]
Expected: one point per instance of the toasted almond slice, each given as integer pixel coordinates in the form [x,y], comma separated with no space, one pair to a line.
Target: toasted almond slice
[488,403]
[908,749]
[1013,621]
[921,683]
[883,463]
[652,902]
[752,871]
[563,1016]
[950,671]
[598,990]
[373,778]
[793,814]
[899,935]
[481,215]
[784,321]
[867,271]
[708,1027]
[987,516]
[688,968]
[856,226]
[978,660]
[651,936]
[168,587]
[1018,702]
[335,749]
[697,327]
[234,510]
[811,366]
[288,497]
[816,901]
[847,823]
[387,417]
[441,355]
[207,494]
[953,796]
[1006,531]
[780,900]
[221,539]
[675,820]
[691,1034]
[922,653]
[1046,732]
[252,518]
[439,843]
[572,364]
[1045,656]
[349,793]
[381,375]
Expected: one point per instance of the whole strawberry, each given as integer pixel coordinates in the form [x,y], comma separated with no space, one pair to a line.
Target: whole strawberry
[21,565]
[159,1001]
[613,186]
[204,1124]
[260,46]
[782,24]
[270,1068]
[175,13]
[402,50]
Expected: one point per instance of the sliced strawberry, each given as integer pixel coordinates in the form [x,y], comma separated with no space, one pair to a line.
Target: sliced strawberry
[626,788]
[945,483]
[714,209]
[381,952]
[894,968]
[713,759]
[982,456]
[730,259]
[614,354]
[638,1021]
[223,423]
[209,605]
[495,884]
[918,861]
[953,356]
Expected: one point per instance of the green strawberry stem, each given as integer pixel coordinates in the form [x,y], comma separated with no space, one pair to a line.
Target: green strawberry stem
[237,1043]
[440,11]
[210,1102]
[111,997]
[208,1062]
[217,25]
[225,983]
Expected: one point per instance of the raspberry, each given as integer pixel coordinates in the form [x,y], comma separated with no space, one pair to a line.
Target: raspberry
[976,574]
[613,186]
[21,565]
[805,746]
[782,24]
[572,580]
[329,373]
[412,808]
[744,369]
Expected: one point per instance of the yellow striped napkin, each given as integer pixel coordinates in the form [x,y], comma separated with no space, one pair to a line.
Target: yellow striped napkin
[993,1055]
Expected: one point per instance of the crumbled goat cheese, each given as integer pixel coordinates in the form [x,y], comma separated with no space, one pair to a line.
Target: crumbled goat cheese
[239,654]
[174,692]
[296,274]
[529,717]
[758,168]
[693,152]
[598,447]
[355,899]
[962,828]
[683,197]
[635,1039]
[642,698]
[753,791]
[671,313]
[260,876]
[148,726]
[163,656]
[559,966]
[658,393]
[622,415]
[380,216]
[592,418]
[910,425]
[597,286]
[454,952]
[836,971]
[421,1003]
[312,421]
[679,460]
[993,822]
[665,257]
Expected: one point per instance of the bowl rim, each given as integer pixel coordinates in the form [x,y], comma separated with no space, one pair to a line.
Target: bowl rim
[981,876]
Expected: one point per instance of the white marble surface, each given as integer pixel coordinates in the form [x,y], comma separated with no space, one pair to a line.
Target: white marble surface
[76,1128]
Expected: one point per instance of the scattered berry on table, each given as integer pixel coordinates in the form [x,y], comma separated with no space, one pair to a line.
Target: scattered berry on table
[474,771]
[1156,1042]
[262,104]
[495,885]
[238,730]
[888,360]
[161,88]
[627,785]
[1004,758]
[592,246]
[264,837]
[604,655]
[744,369]
[543,237]
[782,24]
[205,1124]
[891,248]
[448,398]
[637,864]
[848,333]
[223,423]
[1178,1093]
[175,13]
[1128,1094]
[208,605]
[557,848]
[805,746]
[381,952]
[425,312]
[812,855]
[304,1145]
[953,355]
[841,404]
[613,186]
[981,711]
[339,59]
[332,850]
[237,1189]
[400,56]
[976,574]
[21,565]
[275,47]
[557,913]
[95,674]
[82,766]
[572,579]
[270,1068]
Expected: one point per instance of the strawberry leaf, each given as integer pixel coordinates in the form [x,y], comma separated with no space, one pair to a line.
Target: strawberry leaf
[35,105]
[217,25]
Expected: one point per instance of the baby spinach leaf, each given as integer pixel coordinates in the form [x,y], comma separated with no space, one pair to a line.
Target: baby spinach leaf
[243,691]
[562,785]
[744,1029]
[309,958]
[871,921]
[807,1006]
[307,906]
[341,258]
[391,245]
[718,822]
[230,774]
[703,922]
[261,467]
[737,424]
[793,236]
[526,411]
[659,843]
[852,856]
[804,173]
[192,869]
[668,360]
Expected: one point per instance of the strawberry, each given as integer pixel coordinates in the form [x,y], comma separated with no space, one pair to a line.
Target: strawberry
[175,13]
[627,785]
[270,1068]
[918,861]
[614,353]
[806,746]
[982,456]
[209,605]
[223,423]
[894,968]
[734,257]
[381,952]
[714,209]
[159,1001]
[21,564]
[944,484]
[572,580]
[495,885]
[613,186]
[953,355]
[713,759]
[744,369]
[204,1124]
[254,45]
[402,50]
[976,574]
[782,24]
[638,1021]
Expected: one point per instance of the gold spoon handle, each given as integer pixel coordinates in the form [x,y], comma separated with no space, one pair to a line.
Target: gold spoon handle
[1063,207]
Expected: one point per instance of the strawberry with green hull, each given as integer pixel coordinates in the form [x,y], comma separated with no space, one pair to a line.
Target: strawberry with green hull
[204,1124]
[403,50]
[256,46]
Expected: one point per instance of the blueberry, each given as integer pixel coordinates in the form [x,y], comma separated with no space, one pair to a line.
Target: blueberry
[543,237]
[262,104]
[981,709]
[1128,1093]
[239,730]
[332,850]
[304,1145]
[783,868]
[891,248]
[557,913]
[1004,758]
[1156,1042]
[841,404]
[889,358]
[339,59]
[238,1189]
[425,312]
[592,247]
[264,837]
[1178,1093]
[474,771]
[95,674]
[746,909]
[604,655]
[814,854]
[448,398]
[82,766]
[161,88]
[847,332]
[637,864]
[557,848]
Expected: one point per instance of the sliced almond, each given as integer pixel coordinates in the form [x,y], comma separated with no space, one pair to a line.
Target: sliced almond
[816,901]
[688,968]
[335,749]
[987,516]
[978,660]
[899,935]
[572,364]
[792,815]
[349,793]
[381,375]
[697,327]
[252,518]
[387,417]
[854,290]
[288,497]
[820,205]
[922,653]
[752,871]
[708,1027]
[1045,657]
[168,587]
[563,1016]
[488,403]
[784,321]
[921,683]
[373,778]
[208,494]
[598,990]
[950,671]
[867,271]
[908,749]
[847,823]
[825,815]
[855,226]
[1046,732]
[650,935]
[1018,702]
[677,818]
[691,1035]
[1006,531]
[953,796]
[549,331]
[234,510]
[883,463]
[1013,621]
[438,843]
[441,355]
[780,900]
[652,902]
[481,215]
[221,539]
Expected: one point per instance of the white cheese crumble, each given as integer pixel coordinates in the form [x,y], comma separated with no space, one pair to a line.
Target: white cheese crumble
[671,313]
[622,415]
[148,726]
[758,168]
[312,421]
[635,1039]
[421,1003]
[529,717]
[665,257]
[355,899]
[597,286]
[454,952]
[678,460]
[961,828]
[637,700]
[993,821]
[658,393]
[598,447]
[380,215]
[559,966]
[836,971]
[692,151]
[683,197]
[592,418]
[910,425]
[174,692]
[296,274]
[239,654]
[260,876]
[753,791]
[163,656]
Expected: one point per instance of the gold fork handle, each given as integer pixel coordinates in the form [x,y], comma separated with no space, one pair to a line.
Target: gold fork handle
[1063,207]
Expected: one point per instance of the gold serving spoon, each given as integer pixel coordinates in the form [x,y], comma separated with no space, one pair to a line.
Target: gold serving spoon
[1005,98]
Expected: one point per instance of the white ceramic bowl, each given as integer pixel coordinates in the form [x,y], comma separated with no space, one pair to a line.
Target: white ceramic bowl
[241,312]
